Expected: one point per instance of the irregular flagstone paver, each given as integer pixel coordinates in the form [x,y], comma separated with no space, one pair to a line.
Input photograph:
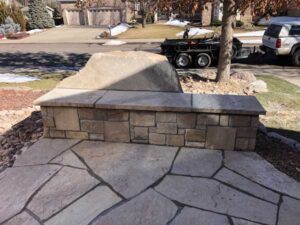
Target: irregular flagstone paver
[289,212]
[22,219]
[197,162]
[18,184]
[211,195]
[149,208]
[190,216]
[243,222]
[43,151]
[85,209]
[251,165]
[129,168]
[68,158]
[60,191]
[242,183]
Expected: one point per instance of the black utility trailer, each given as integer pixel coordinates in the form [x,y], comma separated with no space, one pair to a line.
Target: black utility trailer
[201,52]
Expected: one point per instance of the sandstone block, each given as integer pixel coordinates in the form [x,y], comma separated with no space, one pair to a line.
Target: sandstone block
[181,131]
[92,126]
[220,138]
[195,135]
[165,117]
[195,144]
[252,144]
[166,128]
[242,143]
[117,115]
[48,121]
[157,139]
[254,121]
[44,111]
[99,137]
[116,131]
[142,119]
[186,120]
[175,140]
[77,135]
[224,120]
[57,133]
[141,133]
[239,121]
[246,132]
[207,119]
[92,114]
[66,119]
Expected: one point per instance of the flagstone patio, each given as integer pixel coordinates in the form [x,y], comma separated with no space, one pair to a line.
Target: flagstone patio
[61,181]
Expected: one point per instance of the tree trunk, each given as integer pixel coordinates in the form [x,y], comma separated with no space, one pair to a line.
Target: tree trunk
[229,13]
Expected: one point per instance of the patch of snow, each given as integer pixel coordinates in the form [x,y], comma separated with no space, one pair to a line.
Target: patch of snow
[177,22]
[251,41]
[114,42]
[251,34]
[58,26]
[279,19]
[121,28]
[13,78]
[34,31]
[194,32]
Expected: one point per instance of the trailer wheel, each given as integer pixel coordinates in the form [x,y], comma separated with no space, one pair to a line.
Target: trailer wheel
[234,52]
[203,60]
[183,60]
[296,58]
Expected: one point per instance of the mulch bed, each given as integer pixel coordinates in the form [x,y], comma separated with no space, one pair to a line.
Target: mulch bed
[279,155]
[17,99]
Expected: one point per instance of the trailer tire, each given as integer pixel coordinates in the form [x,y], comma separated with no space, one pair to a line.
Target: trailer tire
[203,60]
[183,60]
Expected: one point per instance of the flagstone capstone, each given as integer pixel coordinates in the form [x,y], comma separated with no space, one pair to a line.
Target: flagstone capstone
[289,212]
[68,158]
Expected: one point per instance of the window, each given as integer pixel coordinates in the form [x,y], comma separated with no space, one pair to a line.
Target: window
[295,30]
[273,31]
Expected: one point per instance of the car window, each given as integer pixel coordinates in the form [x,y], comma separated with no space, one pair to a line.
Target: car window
[295,30]
[273,31]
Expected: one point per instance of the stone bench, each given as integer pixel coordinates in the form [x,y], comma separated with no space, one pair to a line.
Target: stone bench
[161,118]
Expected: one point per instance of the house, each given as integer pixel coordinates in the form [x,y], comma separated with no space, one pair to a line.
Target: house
[109,12]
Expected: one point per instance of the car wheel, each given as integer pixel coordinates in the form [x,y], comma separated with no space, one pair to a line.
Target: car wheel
[296,58]
[203,60]
[183,60]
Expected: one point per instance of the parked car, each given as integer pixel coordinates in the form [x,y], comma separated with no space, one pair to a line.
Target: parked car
[283,39]
[201,52]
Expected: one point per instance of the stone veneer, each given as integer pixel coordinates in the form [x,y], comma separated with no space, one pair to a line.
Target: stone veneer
[159,118]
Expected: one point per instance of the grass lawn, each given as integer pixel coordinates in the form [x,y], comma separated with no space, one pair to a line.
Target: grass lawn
[283,105]
[151,31]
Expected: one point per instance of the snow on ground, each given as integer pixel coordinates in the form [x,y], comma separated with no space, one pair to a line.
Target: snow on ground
[176,22]
[121,28]
[13,78]
[251,41]
[251,34]
[279,19]
[194,32]
[114,42]
[34,31]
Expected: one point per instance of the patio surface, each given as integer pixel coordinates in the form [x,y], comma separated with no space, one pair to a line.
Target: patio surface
[73,182]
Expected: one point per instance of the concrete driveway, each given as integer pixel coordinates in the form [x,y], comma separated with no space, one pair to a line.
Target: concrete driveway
[63,34]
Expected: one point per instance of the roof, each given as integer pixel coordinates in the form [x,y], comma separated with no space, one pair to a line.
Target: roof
[286,23]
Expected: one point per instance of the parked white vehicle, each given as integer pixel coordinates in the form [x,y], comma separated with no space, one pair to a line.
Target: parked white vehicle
[283,39]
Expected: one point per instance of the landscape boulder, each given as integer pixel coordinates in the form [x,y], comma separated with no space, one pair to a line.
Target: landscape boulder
[244,75]
[258,86]
[126,71]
